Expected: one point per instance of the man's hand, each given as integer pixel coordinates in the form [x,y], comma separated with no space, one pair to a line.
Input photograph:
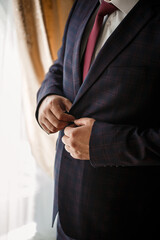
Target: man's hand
[77,137]
[52,116]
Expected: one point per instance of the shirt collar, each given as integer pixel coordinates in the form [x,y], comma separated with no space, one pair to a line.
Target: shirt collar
[124,6]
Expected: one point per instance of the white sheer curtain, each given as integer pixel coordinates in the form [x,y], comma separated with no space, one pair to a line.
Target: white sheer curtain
[25,190]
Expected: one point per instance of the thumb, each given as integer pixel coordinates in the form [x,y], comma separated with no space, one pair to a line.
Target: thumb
[67,105]
[81,121]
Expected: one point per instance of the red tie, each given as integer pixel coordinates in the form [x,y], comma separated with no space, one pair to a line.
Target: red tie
[104,9]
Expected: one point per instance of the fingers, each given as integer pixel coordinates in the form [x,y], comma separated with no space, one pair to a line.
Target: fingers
[59,107]
[81,121]
[55,122]
[67,105]
[68,131]
[45,128]
[84,121]
[52,113]
[70,147]
[53,127]
[77,137]
[49,126]
[52,123]
[61,114]
[66,140]
[67,148]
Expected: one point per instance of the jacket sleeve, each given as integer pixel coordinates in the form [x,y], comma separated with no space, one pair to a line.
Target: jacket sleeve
[53,82]
[124,145]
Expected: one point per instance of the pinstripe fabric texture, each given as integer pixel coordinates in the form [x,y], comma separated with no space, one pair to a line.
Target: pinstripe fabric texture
[115,194]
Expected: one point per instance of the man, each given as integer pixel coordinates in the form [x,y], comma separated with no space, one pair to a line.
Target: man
[102,96]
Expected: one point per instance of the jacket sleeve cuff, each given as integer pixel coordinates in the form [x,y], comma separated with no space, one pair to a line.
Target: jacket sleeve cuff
[104,149]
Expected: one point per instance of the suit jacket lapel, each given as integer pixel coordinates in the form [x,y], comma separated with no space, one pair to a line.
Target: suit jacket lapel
[122,36]
[89,9]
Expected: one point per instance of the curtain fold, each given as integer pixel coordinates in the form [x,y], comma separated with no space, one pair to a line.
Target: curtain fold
[55,13]
[40,25]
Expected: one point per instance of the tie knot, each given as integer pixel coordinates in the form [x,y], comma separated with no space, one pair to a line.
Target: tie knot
[106,9]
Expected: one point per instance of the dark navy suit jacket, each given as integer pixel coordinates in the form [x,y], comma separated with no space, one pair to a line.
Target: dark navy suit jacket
[115,194]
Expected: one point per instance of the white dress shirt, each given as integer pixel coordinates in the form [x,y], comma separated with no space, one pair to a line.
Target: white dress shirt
[109,24]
